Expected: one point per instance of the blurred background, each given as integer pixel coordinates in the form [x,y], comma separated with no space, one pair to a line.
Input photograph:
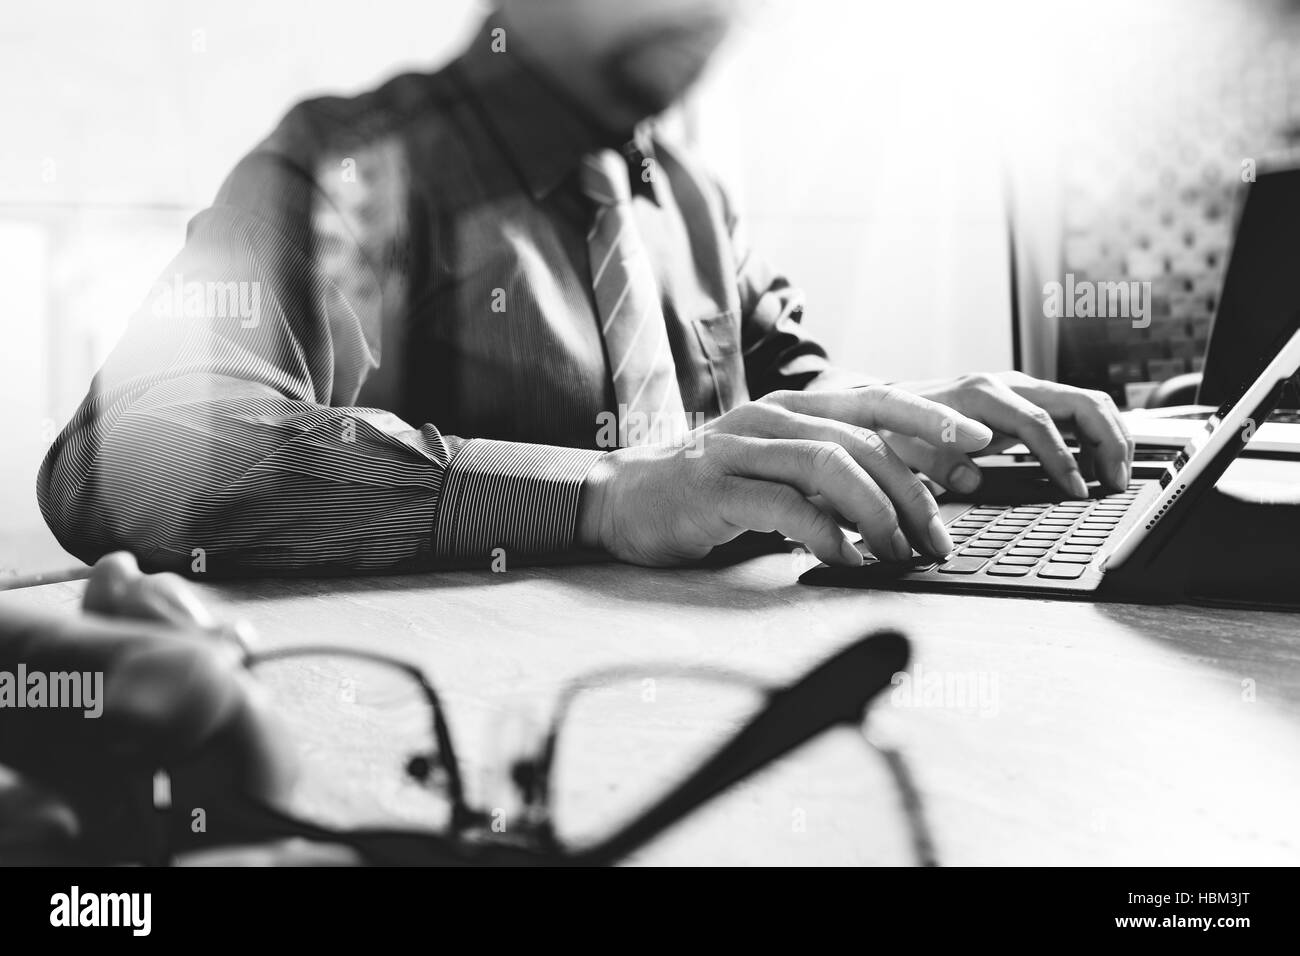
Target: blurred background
[920,169]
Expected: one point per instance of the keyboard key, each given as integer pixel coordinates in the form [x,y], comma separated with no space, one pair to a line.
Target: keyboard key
[1066,572]
[1076,549]
[1093,543]
[1022,560]
[1013,523]
[1073,558]
[1032,552]
[962,565]
[1091,534]
[980,552]
[1008,570]
[1043,536]
[998,536]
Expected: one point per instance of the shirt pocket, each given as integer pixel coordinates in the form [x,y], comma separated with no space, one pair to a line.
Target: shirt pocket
[719,337]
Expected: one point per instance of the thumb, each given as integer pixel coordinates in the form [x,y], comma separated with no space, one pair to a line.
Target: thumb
[118,588]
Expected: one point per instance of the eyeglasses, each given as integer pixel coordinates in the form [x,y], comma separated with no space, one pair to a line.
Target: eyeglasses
[627,754]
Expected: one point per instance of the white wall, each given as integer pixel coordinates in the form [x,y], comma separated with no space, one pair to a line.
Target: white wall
[863,141]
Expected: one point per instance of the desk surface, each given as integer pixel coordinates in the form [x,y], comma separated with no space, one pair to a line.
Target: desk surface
[1108,734]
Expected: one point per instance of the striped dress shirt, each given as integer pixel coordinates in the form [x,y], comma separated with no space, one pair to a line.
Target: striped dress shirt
[380,350]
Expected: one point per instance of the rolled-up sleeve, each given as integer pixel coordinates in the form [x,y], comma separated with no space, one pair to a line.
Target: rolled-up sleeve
[518,497]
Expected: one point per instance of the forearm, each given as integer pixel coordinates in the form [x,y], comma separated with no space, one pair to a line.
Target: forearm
[244,481]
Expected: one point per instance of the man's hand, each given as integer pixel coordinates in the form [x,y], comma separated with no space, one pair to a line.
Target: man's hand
[173,693]
[767,466]
[1023,409]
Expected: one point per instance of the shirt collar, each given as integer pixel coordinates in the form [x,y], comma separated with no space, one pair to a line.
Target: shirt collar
[543,132]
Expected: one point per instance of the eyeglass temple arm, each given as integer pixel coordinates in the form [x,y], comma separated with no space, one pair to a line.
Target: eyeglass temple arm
[837,691]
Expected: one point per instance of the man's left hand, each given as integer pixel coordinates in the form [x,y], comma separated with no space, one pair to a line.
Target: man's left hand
[1023,409]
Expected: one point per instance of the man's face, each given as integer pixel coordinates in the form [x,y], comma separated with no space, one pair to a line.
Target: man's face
[644,53]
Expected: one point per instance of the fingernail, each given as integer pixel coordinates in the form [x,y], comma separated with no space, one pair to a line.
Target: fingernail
[939,539]
[964,478]
[902,550]
[1078,487]
[977,432]
[852,556]
[1121,475]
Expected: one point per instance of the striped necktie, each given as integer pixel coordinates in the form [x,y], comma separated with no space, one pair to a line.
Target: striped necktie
[631,318]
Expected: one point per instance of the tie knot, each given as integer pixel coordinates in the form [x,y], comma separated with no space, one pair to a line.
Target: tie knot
[604,178]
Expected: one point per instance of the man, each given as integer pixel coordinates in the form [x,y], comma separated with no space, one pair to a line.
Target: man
[413,324]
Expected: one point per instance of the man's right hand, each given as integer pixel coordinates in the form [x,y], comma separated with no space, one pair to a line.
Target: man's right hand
[782,463]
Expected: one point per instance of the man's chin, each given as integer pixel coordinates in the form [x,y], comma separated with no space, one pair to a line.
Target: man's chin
[651,77]
[648,98]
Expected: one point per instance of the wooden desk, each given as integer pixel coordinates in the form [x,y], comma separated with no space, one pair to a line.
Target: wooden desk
[1117,735]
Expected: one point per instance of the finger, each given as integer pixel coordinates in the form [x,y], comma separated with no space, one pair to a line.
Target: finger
[826,506]
[827,469]
[1015,415]
[1101,431]
[945,465]
[883,406]
[915,507]
[118,588]
[169,597]
[112,577]
[770,506]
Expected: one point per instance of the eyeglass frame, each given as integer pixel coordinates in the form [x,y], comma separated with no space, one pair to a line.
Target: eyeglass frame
[828,695]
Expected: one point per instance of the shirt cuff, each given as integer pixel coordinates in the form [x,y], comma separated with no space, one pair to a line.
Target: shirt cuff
[511,495]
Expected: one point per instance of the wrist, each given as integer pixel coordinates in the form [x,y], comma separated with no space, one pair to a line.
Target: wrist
[592,504]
